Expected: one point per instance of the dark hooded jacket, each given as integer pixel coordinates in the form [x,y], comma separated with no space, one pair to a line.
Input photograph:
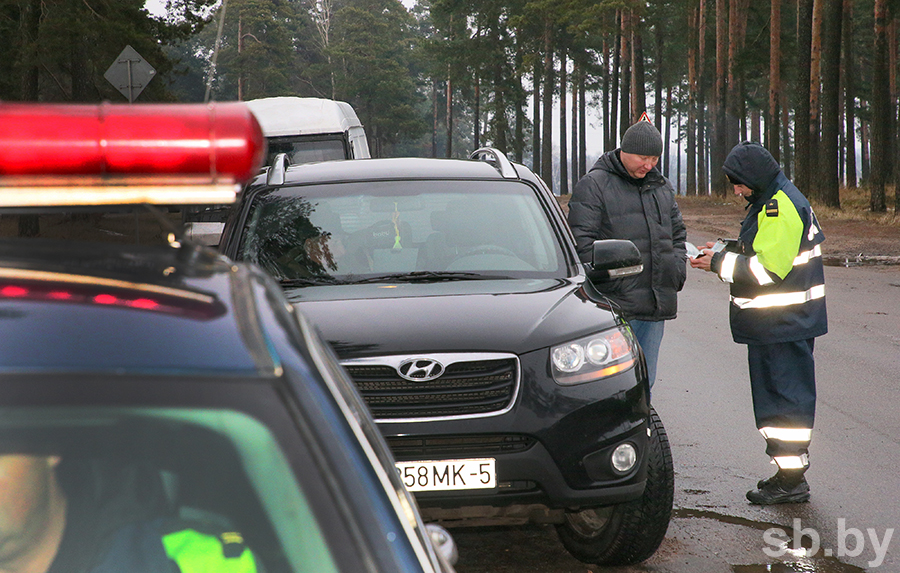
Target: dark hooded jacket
[776,273]
[608,203]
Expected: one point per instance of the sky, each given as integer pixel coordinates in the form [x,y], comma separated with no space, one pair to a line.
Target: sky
[156,7]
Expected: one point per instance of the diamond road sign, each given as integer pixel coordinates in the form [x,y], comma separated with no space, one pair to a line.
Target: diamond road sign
[130,73]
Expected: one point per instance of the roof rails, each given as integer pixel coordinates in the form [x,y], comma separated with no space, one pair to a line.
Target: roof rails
[496,158]
[64,155]
[279,165]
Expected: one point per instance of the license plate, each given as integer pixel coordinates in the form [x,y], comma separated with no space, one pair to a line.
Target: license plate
[446,475]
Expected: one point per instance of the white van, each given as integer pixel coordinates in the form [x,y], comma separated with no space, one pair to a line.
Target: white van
[310,129]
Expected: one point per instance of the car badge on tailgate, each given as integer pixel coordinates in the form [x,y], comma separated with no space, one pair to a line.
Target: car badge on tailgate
[420,369]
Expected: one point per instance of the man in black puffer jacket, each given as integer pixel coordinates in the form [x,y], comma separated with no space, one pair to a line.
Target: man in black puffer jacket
[624,196]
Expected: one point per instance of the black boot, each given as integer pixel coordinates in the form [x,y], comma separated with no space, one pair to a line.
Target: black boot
[786,486]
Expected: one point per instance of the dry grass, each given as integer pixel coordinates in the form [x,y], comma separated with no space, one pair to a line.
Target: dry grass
[855,207]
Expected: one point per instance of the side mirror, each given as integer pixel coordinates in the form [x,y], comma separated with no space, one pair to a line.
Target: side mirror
[614,258]
[205,233]
[443,543]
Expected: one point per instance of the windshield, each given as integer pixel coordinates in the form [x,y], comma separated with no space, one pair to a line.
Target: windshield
[306,150]
[423,230]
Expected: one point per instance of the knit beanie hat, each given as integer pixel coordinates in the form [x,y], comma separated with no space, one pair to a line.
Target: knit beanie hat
[642,138]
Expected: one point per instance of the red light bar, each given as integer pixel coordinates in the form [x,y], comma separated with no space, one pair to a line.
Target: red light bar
[45,286]
[60,154]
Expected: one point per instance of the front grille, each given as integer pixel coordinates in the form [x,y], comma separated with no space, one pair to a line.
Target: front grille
[467,387]
[444,447]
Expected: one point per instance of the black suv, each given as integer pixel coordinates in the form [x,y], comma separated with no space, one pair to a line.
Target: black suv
[159,403]
[505,383]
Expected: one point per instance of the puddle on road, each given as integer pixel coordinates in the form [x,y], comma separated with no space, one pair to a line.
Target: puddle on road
[798,568]
[819,563]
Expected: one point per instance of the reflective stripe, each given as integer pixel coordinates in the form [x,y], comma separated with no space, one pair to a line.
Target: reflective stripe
[726,271]
[780,299]
[813,229]
[792,462]
[759,271]
[787,434]
[804,257]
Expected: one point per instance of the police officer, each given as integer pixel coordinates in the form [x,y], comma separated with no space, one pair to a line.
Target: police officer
[46,529]
[777,309]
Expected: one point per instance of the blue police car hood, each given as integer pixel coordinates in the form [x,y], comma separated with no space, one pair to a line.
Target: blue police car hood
[511,315]
[750,164]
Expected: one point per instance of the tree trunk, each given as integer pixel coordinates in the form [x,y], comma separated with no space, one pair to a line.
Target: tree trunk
[719,134]
[449,116]
[476,120]
[434,118]
[613,117]
[815,83]
[773,125]
[521,102]
[536,119]
[786,135]
[831,58]
[702,138]
[864,150]
[801,113]
[573,139]
[658,84]
[734,98]
[607,98]
[638,93]
[501,124]
[693,88]
[563,123]
[668,132]
[881,115]
[549,84]
[576,132]
[849,93]
[891,175]
[625,76]
[678,160]
[582,126]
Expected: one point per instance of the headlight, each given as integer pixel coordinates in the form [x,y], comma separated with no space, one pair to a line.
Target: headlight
[593,357]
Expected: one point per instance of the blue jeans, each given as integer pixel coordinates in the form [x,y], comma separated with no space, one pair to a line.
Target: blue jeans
[649,335]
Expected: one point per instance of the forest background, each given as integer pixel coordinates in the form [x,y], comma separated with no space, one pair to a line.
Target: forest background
[814,80]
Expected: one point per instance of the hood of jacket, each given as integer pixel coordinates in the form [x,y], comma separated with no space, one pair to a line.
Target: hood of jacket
[751,164]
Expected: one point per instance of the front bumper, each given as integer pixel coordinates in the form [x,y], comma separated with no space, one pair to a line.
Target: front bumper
[552,448]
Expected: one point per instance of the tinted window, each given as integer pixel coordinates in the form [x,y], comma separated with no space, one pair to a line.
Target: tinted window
[344,231]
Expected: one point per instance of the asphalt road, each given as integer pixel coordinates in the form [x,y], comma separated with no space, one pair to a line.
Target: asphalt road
[703,397]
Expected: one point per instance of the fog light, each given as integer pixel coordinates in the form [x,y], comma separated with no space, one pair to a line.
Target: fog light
[623,458]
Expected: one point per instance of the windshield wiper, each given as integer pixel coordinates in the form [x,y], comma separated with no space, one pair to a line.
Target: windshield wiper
[428,276]
[311,281]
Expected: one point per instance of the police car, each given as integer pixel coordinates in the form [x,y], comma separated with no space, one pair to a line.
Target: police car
[176,407]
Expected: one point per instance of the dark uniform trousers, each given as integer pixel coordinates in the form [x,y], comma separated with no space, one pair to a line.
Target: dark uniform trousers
[783,385]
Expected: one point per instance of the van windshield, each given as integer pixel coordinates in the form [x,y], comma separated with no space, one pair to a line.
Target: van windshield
[307,150]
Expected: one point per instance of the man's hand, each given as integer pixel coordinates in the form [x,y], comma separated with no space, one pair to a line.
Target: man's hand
[704,259]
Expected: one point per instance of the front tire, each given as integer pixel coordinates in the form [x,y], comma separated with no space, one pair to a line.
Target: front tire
[630,532]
